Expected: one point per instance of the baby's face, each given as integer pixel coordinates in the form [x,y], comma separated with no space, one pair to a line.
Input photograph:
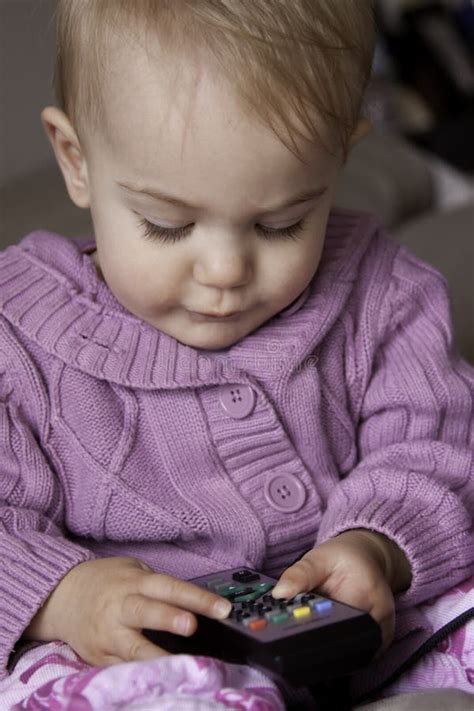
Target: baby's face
[211,252]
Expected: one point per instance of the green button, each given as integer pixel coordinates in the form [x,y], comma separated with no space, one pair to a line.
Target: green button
[228,590]
[264,587]
[278,617]
[248,598]
[258,591]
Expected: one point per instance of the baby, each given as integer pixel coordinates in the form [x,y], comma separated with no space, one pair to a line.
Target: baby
[232,372]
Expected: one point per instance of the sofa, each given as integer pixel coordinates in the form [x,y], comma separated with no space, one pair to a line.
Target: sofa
[425,205]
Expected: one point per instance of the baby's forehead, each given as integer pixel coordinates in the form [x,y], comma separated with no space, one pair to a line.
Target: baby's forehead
[137,73]
[149,100]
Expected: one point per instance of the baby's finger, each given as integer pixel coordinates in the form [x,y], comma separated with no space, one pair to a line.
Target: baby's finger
[302,576]
[132,646]
[185,594]
[140,612]
[384,615]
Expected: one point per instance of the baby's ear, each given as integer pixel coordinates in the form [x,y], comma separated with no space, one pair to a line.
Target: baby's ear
[362,129]
[67,150]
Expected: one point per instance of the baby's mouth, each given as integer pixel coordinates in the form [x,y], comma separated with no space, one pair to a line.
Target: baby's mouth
[202,318]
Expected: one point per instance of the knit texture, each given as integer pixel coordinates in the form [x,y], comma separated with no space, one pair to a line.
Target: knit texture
[114,440]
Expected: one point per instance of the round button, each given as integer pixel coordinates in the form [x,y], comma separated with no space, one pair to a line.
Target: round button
[285,492]
[237,400]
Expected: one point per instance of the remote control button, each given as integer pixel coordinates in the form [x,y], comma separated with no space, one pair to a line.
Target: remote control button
[227,589]
[277,618]
[322,607]
[237,400]
[249,620]
[259,624]
[285,492]
[293,606]
[245,576]
[299,612]
[249,597]
[285,601]
[264,587]
[299,597]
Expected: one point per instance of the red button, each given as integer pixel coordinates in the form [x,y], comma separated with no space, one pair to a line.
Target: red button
[258,624]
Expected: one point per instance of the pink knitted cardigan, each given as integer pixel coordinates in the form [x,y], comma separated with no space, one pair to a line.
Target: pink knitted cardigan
[116,439]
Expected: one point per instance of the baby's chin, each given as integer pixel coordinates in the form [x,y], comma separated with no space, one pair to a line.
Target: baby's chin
[210,336]
[206,335]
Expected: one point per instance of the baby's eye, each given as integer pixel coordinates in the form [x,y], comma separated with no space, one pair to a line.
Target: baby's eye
[169,235]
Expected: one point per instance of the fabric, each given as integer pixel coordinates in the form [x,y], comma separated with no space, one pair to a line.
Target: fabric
[449,662]
[438,700]
[52,676]
[451,665]
[360,400]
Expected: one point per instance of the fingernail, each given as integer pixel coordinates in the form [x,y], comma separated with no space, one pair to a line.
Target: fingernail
[282,590]
[222,608]
[184,624]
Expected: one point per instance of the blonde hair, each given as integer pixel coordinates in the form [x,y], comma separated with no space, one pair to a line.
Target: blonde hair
[309,59]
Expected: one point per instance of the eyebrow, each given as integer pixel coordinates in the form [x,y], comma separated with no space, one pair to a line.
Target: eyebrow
[165,197]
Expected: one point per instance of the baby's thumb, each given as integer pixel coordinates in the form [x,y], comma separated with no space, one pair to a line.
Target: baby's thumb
[302,576]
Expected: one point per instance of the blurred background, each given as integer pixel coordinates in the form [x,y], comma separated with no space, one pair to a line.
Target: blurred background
[423,75]
[415,170]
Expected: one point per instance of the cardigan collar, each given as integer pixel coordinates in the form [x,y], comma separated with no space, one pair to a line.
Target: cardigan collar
[52,293]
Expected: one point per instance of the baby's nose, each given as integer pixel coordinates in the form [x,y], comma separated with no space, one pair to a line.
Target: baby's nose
[223,270]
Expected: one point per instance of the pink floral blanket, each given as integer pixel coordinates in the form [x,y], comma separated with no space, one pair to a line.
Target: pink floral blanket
[52,676]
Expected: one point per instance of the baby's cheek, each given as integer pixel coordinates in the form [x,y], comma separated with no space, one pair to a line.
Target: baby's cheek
[133,285]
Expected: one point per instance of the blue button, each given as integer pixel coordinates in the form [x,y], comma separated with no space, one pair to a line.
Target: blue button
[322,607]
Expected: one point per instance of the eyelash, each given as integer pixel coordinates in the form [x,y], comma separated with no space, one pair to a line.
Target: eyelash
[161,234]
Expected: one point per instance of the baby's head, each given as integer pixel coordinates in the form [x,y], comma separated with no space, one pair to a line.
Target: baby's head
[235,108]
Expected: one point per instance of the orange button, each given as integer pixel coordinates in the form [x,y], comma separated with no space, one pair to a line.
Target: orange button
[258,624]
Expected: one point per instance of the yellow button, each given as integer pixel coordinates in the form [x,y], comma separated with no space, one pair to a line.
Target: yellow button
[301,611]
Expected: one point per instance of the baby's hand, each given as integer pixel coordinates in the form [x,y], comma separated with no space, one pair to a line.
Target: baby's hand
[349,569]
[101,606]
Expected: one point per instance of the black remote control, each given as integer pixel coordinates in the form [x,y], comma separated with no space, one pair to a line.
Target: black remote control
[307,639]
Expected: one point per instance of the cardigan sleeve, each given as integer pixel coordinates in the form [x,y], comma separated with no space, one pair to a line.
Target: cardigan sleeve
[34,552]
[414,477]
